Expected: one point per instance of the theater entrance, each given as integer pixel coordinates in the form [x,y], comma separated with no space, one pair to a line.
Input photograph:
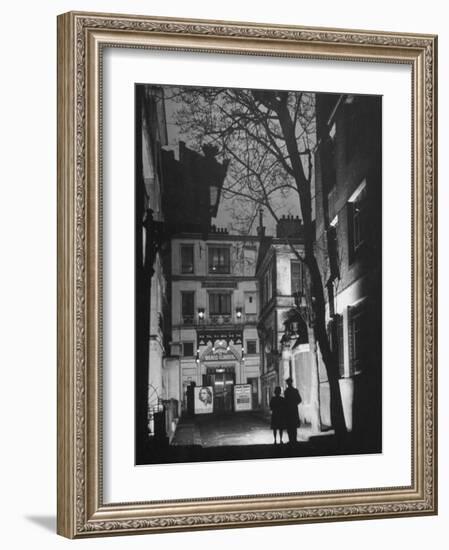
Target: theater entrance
[222,379]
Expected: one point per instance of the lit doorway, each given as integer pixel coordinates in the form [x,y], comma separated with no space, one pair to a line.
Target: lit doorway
[222,379]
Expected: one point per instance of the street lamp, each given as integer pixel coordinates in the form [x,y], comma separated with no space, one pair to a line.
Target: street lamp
[291,332]
[213,197]
[304,308]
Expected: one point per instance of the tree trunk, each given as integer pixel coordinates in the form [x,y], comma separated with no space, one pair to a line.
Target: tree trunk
[318,300]
[329,357]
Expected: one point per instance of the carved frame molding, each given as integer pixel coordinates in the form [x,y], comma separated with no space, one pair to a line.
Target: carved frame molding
[81,37]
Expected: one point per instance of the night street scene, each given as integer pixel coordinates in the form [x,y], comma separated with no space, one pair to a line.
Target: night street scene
[258,274]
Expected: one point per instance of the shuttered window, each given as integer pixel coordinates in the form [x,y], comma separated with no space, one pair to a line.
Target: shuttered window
[219,304]
[187,303]
[358,337]
[187,259]
[296,276]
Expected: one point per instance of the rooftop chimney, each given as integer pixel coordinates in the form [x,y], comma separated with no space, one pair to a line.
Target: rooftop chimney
[289,227]
[261,228]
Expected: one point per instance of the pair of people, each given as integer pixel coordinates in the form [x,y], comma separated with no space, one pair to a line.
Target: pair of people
[285,412]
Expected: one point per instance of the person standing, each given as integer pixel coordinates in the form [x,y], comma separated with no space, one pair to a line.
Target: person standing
[292,400]
[277,406]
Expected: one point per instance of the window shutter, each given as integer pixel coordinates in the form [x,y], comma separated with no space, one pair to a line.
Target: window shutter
[340,344]
[350,218]
[296,276]
[226,304]
[213,304]
[351,340]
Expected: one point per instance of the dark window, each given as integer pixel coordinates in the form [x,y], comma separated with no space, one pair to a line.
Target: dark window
[356,126]
[358,338]
[327,159]
[187,304]
[296,276]
[351,123]
[187,349]
[219,304]
[273,278]
[357,223]
[219,260]
[267,284]
[251,347]
[187,259]
[333,253]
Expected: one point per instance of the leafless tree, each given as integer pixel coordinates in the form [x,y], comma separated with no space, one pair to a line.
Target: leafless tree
[269,139]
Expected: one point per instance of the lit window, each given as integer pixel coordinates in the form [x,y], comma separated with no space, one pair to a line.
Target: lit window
[219,260]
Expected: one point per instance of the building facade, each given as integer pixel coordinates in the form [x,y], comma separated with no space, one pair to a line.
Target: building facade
[151,274]
[348,180]
[285,353]
[214,315]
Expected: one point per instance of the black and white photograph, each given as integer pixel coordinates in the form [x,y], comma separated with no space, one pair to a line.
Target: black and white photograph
[258,274]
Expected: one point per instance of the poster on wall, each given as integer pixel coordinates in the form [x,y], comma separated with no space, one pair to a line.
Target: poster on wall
[242,397]
[204,400]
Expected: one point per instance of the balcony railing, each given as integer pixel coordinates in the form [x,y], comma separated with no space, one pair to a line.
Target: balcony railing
[188,320]
[219,269]
[245,318]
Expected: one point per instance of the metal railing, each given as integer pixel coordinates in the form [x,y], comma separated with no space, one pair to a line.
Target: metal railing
[244,318]
[162,418]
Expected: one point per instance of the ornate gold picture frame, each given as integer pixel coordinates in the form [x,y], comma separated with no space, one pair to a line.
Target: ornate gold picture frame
[82,509]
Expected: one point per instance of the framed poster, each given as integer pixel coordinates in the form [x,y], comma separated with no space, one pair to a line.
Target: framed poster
[204,401]
[246,215]
[243,398]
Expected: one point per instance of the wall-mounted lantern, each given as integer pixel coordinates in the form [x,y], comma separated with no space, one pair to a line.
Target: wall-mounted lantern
[238,312]
[201,313]
[213,197]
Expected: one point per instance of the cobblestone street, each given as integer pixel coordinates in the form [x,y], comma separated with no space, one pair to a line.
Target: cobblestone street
[241,436]
[232,429]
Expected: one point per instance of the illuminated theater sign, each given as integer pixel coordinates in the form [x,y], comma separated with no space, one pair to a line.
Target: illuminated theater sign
[205,336]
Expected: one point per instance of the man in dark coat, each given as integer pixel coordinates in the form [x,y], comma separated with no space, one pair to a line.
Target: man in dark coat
[292,400]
